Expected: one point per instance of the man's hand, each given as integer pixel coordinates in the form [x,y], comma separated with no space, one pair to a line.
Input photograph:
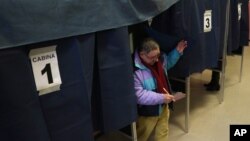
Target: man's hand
[181,46]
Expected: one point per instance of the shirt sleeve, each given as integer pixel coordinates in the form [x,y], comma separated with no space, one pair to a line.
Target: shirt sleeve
[171,58]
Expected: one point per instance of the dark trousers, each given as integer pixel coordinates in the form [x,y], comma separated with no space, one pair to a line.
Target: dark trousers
[215,77]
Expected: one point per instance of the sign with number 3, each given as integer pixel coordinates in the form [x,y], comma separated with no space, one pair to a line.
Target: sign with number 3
[45,69]
[207,21]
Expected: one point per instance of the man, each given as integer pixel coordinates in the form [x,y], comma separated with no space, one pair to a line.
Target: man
[153,89]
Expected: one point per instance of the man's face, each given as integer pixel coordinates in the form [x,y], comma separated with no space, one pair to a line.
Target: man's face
[151,57]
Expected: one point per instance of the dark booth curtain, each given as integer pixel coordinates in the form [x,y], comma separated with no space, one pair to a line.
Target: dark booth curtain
[21,116]
[67,111]
[244,23]
[27,21]
[234,27]
[113,87]
[203,47]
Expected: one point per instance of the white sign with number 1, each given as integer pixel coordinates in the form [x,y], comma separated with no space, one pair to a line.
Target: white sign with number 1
[45,69]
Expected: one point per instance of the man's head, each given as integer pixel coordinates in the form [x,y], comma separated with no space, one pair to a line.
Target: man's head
[149,51]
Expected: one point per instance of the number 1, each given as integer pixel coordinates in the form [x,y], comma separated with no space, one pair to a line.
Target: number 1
[47,69]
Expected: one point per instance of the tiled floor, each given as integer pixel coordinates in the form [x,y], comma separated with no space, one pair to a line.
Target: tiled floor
[210,119]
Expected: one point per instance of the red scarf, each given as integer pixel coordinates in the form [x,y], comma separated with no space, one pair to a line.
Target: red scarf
[158,73]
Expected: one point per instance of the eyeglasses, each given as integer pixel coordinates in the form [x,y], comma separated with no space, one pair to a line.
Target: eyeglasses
[155,57]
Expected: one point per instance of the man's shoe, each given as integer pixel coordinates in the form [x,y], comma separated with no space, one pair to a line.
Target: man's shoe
[208,84]
[213,87]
